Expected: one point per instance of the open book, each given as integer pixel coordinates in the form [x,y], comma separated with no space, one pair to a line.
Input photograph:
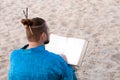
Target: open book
[72,48]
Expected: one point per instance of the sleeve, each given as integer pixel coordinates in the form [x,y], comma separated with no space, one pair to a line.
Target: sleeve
[10,65]
[74,76]
[64,70]
[68,73]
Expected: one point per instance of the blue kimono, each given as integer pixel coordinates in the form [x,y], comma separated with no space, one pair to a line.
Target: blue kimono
[38,64]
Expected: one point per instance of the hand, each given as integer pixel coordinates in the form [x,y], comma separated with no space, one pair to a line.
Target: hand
[64,57]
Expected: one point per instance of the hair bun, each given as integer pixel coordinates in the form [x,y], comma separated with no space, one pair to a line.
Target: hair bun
[27,22]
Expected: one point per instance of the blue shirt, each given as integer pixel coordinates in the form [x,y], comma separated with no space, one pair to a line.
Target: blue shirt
[38,64]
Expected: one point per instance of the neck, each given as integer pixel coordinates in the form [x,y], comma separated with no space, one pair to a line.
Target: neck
[34,44]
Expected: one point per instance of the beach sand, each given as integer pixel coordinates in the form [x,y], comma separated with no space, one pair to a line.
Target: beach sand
[97,21]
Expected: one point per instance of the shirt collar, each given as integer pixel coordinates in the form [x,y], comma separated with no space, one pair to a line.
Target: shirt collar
[41,47]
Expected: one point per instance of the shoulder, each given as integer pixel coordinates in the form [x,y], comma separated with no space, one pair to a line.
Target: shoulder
[57,59]
[55,56]
[67,70]
[14,54]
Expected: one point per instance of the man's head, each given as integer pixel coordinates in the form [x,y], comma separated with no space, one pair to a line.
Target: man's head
[36,30]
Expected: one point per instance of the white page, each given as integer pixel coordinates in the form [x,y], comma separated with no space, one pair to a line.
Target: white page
[74,50]
[57,44]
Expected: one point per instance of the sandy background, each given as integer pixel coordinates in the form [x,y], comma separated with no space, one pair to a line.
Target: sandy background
[97,21]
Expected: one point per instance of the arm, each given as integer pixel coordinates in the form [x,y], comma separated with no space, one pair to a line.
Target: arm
[69,74]
[70,70]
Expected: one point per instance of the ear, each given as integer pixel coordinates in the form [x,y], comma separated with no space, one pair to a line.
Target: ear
[44,37]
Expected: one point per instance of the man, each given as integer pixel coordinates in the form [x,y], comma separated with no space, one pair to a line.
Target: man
[33,61]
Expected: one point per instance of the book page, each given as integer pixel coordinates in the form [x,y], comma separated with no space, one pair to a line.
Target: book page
[74,50]
[57,44]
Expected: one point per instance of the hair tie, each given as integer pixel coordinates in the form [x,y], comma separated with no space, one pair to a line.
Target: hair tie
[31,30]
